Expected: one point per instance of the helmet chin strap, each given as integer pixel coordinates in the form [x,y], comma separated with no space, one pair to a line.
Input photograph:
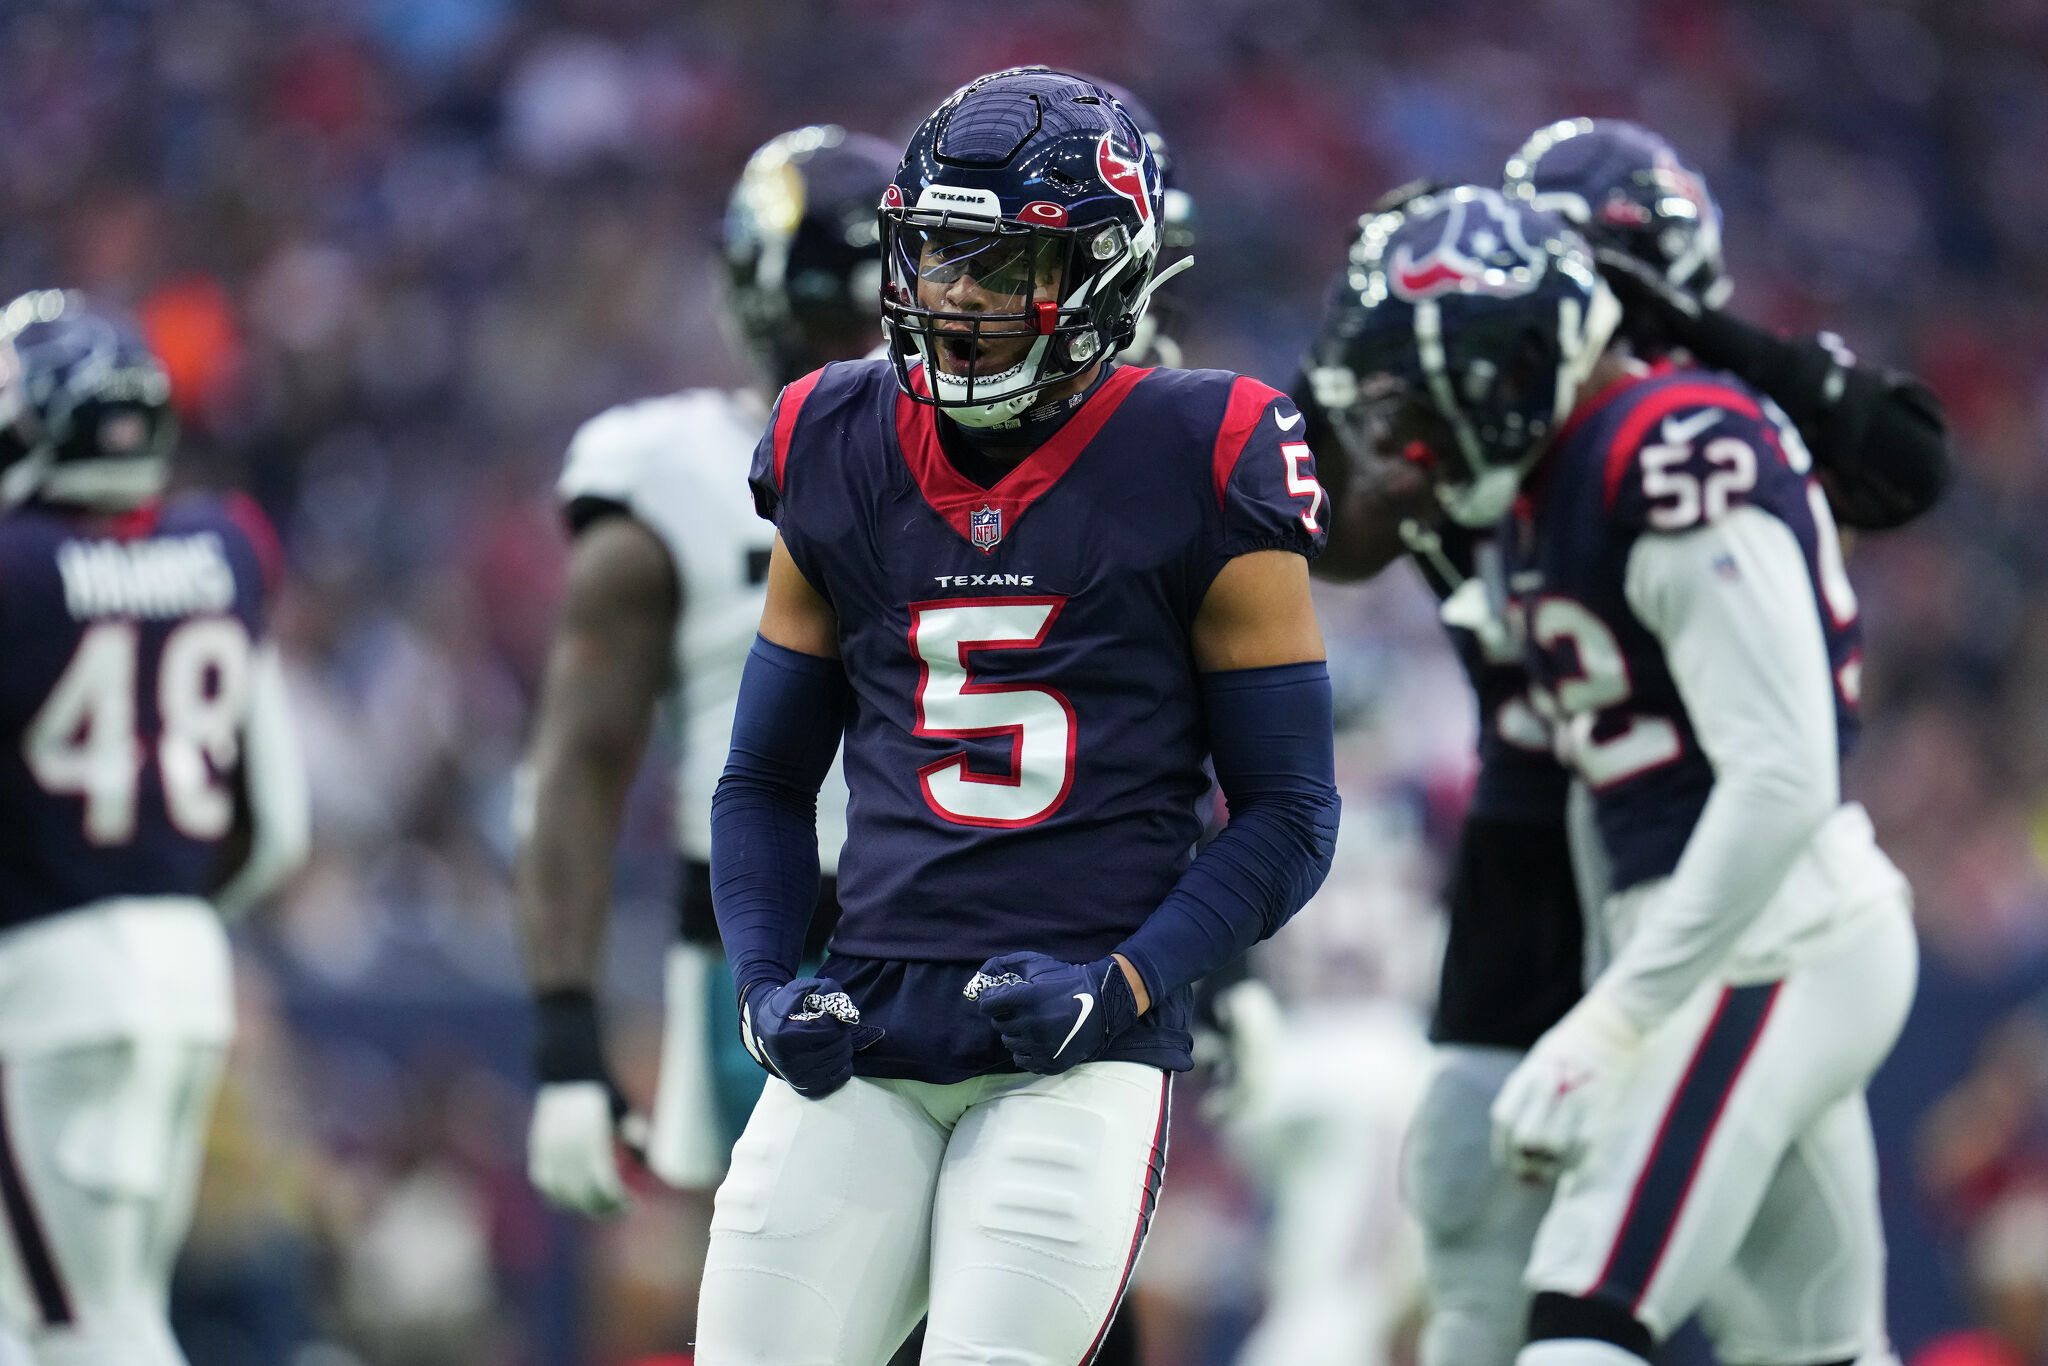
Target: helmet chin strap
[1583,345]
[1001,410]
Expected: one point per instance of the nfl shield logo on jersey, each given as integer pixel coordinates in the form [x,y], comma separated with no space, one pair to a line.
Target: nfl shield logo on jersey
[985,527]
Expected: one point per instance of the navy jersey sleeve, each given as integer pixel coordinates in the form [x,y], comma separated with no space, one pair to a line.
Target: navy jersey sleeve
[769,476]
[1265,475]
[1693,449]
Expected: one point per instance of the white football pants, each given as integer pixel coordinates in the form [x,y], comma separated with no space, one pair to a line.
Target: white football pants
[100,1149]
[1009,1208]
[1737,1176]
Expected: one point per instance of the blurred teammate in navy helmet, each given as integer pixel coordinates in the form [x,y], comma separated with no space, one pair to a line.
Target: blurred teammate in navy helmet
[1671,574]
[150,783]
[1877,435]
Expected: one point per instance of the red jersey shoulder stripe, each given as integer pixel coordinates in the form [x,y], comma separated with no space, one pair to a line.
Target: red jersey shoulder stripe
[137,522]
[246,513]
[785,419]
[1248,400]
[1628,437]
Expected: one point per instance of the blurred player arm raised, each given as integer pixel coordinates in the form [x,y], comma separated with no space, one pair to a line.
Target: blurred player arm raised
[609,661]
[1733,605]
[1878,437]
[1266,698]
[277,804]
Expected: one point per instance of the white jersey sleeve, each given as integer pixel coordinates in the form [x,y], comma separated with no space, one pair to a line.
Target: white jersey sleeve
[1733,606]
[679,465]
[280,802]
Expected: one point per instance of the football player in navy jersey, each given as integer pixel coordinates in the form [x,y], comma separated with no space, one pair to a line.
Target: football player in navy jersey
[1034,591]
[664,591]
[1669,560]
[149,782]
[1512,964]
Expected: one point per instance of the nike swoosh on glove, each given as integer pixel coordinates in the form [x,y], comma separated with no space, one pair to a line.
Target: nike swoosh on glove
[1052,1015]
[1551,1103]
[805,1032]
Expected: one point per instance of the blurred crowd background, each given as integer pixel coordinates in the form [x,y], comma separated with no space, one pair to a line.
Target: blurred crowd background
[395,250]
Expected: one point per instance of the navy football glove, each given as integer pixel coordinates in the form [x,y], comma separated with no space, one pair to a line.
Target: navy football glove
[1050,1014]
[805,1032]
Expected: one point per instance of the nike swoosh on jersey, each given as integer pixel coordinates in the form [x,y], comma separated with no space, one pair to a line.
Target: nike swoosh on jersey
[1681,433]
[1286,424]
[1087,1005]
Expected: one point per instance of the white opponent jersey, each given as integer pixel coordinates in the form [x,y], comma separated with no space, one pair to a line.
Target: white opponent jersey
[679,464]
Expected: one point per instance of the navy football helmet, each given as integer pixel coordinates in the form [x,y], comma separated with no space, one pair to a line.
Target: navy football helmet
[85,406]
[1459,336]
[803,285]
[1019,241]
[1625,187]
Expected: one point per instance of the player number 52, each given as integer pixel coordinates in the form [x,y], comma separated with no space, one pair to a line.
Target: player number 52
[1680,498]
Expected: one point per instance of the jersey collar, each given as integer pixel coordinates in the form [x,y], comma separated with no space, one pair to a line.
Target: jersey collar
[1580,415]
[959,500]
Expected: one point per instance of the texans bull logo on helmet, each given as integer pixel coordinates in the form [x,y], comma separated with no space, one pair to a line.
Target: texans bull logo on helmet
[1482,251]
[1124,172]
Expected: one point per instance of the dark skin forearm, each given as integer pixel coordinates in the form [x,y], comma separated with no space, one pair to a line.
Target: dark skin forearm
[1369,499]
[1370,496]
[1365,537]
[610,659]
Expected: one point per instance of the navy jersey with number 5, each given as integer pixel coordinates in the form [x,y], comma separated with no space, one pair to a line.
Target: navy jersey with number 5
[1025,750]
[1657,454]
[123,694]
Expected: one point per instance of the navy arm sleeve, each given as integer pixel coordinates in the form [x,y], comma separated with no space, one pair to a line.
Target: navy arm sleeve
[764,814]
[1271,736]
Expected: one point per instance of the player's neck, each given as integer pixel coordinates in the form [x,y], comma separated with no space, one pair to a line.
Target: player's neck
[1616,364]
[1008,444]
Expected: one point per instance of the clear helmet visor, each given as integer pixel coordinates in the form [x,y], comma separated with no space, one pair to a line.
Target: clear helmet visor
[980,306]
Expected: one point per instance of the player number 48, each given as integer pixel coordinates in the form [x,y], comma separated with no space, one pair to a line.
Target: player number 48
[83,742]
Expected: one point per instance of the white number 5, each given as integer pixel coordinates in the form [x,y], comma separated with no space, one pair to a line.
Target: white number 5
[1039,722]
[1302,483]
